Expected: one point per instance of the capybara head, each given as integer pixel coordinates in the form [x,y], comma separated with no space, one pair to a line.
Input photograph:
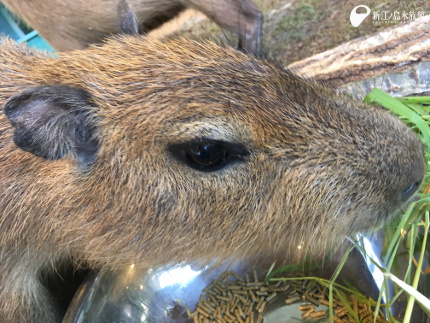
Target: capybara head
[154,153]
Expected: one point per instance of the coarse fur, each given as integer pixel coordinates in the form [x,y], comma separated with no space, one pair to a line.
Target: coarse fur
[75,24]
[88,175]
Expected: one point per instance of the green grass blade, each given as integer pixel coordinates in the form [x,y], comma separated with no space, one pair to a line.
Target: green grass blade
[401,110]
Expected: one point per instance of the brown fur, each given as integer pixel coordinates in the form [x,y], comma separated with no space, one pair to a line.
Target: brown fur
[320,166]
[75,24]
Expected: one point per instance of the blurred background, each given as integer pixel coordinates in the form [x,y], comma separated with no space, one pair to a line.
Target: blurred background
[12,27]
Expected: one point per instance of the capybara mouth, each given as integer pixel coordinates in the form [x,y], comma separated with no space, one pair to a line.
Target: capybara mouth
[63,284]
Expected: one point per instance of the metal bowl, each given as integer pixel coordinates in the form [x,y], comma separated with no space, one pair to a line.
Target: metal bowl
[168,294]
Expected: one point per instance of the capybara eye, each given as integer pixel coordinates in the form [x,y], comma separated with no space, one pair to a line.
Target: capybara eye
[410,191]
[207,154]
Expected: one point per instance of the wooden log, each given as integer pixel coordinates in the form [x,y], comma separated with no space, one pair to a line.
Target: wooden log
[393,50]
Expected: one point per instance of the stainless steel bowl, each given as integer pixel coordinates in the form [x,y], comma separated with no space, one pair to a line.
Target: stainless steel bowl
[164,294]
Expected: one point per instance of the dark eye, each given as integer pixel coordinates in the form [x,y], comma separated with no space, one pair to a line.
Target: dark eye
[208,155]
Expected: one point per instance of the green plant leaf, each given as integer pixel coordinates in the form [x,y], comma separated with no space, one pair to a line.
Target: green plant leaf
[401,110]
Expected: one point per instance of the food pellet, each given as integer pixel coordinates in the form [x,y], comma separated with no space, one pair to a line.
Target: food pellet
[308,313]
[262,307]
[241,313]
[312,300]
[337,320]
[341,311]
[232,298]
[255,276]
[324,302]
[304,308]
[292,300]
[234,287]
[233,273]
[254,298]
[318,314]
[262,293]
[270,297]
[317,295]
[238,316]
[354,304]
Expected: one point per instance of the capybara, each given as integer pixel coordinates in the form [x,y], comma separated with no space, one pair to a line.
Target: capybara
[153,153]
[74,24]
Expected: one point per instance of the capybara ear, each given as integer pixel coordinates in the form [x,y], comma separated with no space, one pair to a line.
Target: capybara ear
[52,121]
[127,19]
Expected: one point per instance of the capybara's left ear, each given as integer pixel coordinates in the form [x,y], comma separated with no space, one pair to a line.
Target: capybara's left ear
[53,121]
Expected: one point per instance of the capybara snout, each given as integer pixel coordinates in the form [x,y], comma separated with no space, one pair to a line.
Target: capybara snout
[155,153]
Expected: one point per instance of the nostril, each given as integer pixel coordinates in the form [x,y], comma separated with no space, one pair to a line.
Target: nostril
[407,193]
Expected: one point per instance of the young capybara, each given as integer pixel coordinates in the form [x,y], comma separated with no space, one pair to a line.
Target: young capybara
[75,24]
[155,153]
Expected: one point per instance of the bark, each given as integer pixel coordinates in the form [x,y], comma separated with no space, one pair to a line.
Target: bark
[377,58]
